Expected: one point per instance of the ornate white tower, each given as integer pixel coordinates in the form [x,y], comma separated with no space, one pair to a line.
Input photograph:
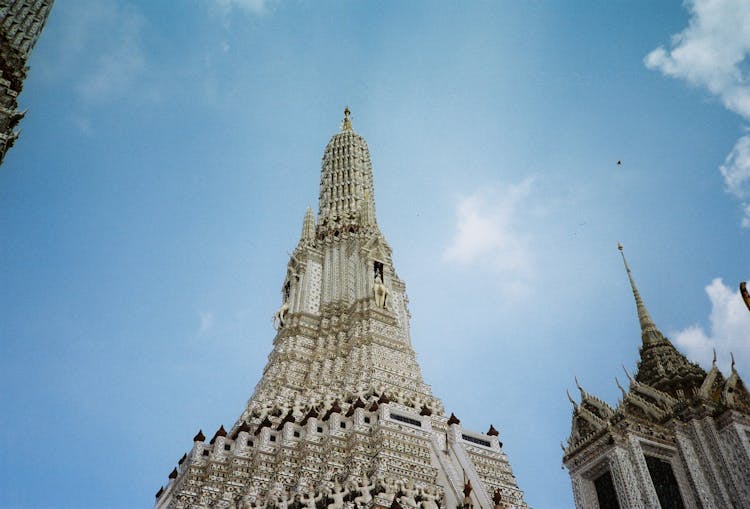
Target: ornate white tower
[21,23]
[679,438]
[342,417]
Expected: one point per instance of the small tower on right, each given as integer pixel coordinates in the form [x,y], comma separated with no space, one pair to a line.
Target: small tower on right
[678,438]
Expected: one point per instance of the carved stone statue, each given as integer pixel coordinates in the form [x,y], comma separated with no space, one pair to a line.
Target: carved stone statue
[390,486]
[467,495]
[429,499]
[310,500]
[365,494]
[497,499]
[408,494]
[279,316]
[337,494]
[282,501]
[381,292]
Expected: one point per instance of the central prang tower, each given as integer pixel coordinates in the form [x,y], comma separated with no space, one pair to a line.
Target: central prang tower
[341,417]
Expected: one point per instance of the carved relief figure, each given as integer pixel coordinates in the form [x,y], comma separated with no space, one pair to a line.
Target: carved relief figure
[381,292]
[310,500]
[408,494]
[429,499]
[282,501]
[279,317]
[337,494]
[365,494]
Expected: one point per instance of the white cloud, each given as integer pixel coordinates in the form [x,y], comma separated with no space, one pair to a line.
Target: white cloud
[119,58]
[736,169]
[99,50]
[487,235]
[729,330]
[746,218]
[251,6]
[206,321]
[712,52]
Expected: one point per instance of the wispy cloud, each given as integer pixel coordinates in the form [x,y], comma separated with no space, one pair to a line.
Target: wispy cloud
[206,321]
[736,172]
[487,235]
[729,329]
[250,6]
[712,53]
[100,50]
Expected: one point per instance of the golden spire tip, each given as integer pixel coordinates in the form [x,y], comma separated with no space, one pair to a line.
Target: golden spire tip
[346,125]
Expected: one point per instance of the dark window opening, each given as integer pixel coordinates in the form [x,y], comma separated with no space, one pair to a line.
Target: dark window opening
[407,420]
[343,425]
[320,430]
[205,452]
[273,438]
[475,440]
[249,443]
[378,268]
[367,420]
[227,447]
[296,434]
[665,483]
[605,492]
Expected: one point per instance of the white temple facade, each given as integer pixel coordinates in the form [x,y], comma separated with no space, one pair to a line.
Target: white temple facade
[341,417]
[678,438]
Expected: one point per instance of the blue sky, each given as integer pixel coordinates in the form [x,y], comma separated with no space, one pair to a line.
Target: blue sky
[171,149]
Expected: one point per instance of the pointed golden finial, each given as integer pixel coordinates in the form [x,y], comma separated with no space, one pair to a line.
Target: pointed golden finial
[624,394]
[648,328]
[570,398]
[346,125]
[579,386]
[630,378]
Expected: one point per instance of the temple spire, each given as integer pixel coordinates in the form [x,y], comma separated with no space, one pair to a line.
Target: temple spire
[346,124]
[649,331]
[346,183]
[308,225]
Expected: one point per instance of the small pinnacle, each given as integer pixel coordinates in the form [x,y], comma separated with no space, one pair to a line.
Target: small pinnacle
[713,362]
[570,398]
[453,419]
[624,394]
[731,355]
[346,125]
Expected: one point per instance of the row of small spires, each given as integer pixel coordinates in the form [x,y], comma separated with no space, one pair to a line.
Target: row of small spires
[335,408]
[632,380]
[266,423]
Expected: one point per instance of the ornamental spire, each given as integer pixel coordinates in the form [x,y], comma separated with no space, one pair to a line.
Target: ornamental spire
[346,184]
[308,225]
[346,124]
[649,331]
